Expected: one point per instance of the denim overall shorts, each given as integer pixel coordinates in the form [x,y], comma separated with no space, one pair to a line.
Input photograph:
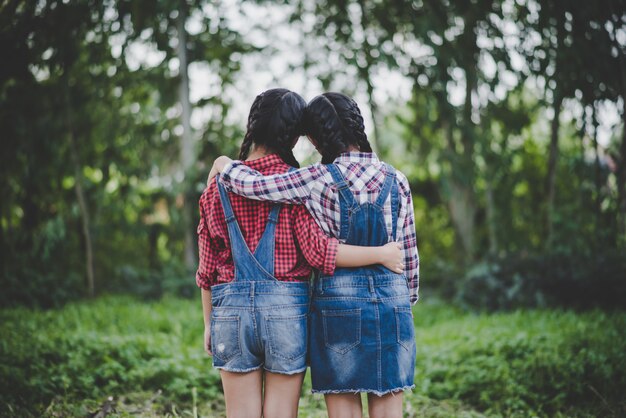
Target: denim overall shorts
[362,337]
[257,320]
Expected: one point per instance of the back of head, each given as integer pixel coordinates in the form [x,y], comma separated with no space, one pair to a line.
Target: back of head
[334,122]
[275,123]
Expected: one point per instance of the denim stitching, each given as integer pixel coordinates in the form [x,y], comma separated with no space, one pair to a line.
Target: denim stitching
[236,370]
[270,335]
[375,392]
[398,310]
[347,312]
[288,372]
[226,320]
[379,359]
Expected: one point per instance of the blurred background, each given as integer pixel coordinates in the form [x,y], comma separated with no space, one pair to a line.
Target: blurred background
[506,116]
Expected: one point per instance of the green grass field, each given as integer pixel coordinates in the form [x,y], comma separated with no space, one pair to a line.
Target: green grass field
[127,357]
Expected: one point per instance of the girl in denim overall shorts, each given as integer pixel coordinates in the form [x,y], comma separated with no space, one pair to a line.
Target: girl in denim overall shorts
[256,324]
[362,336]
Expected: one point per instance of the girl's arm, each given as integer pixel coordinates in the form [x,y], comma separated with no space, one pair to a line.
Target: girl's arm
[206,309]
[289,187]
[389,255]
[325,253]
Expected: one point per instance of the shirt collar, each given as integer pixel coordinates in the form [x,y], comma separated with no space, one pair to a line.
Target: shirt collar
[263,163]
[357,157]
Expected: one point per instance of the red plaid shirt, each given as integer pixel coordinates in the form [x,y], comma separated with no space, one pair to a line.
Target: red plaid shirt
[300,243]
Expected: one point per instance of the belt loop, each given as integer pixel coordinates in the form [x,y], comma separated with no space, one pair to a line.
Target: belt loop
[320,284]
[371,283]
[252,290]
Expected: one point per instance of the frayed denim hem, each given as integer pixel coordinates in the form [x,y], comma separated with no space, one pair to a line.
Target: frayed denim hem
[231,370]
[286,372]
[375,392]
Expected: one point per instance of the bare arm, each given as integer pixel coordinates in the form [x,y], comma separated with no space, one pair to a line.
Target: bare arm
[390,255]
[218,166]
[206,309]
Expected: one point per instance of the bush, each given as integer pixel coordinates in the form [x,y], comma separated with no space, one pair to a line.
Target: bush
[593,280]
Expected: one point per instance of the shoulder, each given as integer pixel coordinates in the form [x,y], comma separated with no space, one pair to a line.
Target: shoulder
[209,195]
[403,182]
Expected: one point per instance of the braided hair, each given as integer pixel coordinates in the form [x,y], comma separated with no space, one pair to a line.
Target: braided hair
[275,123]
[334,121]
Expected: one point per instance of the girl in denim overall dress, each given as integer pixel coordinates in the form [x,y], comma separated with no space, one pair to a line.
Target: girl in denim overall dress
[256,302]
[362,336]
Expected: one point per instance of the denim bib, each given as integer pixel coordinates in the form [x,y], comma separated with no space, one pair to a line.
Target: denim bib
[257,321]
[362,336]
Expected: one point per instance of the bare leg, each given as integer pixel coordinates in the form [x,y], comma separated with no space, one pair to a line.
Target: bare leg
[386,406]
[243,393]
[344,405]
[282,394]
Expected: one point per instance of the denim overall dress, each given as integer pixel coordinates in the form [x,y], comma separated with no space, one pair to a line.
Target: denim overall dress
[257,320]
[362,336]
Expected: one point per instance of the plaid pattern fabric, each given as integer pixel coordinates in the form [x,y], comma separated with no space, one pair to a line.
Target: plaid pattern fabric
[313,186]
[300,243]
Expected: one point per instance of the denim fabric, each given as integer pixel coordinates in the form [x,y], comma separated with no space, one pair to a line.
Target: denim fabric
[258,321]
[362,336]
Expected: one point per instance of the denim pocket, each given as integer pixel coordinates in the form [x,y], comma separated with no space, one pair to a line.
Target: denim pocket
[404,326]
[225,343]
[287,336]
[342,329]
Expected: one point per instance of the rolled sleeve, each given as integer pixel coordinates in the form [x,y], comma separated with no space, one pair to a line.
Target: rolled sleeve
[319,250]
[408,237]
[330,260]
[206,275]
[204,278]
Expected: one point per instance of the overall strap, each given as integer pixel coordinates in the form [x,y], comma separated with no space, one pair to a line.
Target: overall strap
[395,209]
[265,249]
[264,252]
[390,187]
[390,178]
[346,199]
[247,267]
[226,206]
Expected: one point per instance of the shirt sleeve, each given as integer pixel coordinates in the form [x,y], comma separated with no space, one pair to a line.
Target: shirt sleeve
[208,245]
[319,250]
[408,238]
[290,187]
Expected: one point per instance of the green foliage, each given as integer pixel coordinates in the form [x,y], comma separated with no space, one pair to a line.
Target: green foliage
[111,347]
[148,357]
[529,363]
[549,279]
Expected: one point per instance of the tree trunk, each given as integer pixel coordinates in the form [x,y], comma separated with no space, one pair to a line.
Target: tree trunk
[553,155]
[492,227]
[616,18]
[187,151]
[621,174]
[375,141]
[80,196]
[460,198]
[597,168]
[463,212]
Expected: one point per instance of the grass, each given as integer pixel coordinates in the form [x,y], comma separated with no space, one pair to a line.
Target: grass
[126,357]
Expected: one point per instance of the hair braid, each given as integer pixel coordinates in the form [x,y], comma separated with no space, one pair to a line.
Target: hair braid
[275,122]
[334,121]
[248,139]
[289,112]
[357,127]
